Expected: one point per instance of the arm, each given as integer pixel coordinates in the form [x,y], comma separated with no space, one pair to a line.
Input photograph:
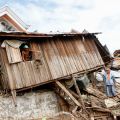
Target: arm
[113,77]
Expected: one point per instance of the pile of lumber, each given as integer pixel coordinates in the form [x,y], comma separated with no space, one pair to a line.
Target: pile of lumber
[84,104]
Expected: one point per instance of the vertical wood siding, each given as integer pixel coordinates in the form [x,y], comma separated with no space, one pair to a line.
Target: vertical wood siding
[55,58]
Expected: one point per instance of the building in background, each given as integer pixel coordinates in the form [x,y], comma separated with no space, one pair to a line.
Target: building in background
[9,21]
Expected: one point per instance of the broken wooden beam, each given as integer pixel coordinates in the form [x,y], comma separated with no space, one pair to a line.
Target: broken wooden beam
[68,93]
[78,92]
[74,94]
[95,92]
[93,79]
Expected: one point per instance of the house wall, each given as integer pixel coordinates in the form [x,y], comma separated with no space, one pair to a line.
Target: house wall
[4,79]
[13,23]
[32,105]
[52,59]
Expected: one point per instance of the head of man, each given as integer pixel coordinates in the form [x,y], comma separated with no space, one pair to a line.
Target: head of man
[107,69]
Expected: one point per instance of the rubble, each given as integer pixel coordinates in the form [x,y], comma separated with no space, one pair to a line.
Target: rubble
[116,60]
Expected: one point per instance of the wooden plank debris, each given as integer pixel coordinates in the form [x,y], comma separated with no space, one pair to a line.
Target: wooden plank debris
[68,93]
[78,92]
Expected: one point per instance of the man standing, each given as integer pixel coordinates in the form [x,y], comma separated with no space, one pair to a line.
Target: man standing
[109,81]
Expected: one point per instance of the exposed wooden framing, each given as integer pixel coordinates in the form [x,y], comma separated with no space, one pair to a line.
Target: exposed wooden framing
[93,79]
[68,93]
[74,94]
[78,92]
[13,92]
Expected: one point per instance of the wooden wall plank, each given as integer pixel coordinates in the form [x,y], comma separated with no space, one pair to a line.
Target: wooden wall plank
[17,77]
[97,54]
[59,57]
[21,74]
[93,52]
[13,54]
[74,55]
[36,73]
[45,71]
[25,74]
[90,52]
[69,56]
[82,51]
[38,61]
[63,56]
[30,73]
[86,53]
[55,58]
[34,47]
[51,59]
[4,75]
[78,53]
[11,79]
[39,65]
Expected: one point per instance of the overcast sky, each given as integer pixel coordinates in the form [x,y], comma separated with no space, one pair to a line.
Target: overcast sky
[64,15]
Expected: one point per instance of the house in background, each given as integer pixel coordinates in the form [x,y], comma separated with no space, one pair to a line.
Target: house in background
[9,21]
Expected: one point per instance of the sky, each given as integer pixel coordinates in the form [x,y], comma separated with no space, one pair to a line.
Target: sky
[64,15]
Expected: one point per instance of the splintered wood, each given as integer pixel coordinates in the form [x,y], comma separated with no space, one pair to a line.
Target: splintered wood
[68,93]
[95,93]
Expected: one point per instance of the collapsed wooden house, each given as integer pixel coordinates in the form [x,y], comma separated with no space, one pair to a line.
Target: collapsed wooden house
[28,60]
[51,57]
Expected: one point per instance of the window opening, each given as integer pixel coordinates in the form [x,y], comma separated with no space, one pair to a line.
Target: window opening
[25,52]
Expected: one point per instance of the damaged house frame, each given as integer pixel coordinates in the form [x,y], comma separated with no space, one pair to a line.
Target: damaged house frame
[31,59]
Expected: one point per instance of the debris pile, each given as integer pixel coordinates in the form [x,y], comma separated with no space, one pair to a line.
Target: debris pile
[116,61]
[94,104]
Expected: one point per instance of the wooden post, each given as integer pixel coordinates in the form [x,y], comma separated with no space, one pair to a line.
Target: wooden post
[13,92]
[78,92]
[93,80]
[68,93]
[74,94]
